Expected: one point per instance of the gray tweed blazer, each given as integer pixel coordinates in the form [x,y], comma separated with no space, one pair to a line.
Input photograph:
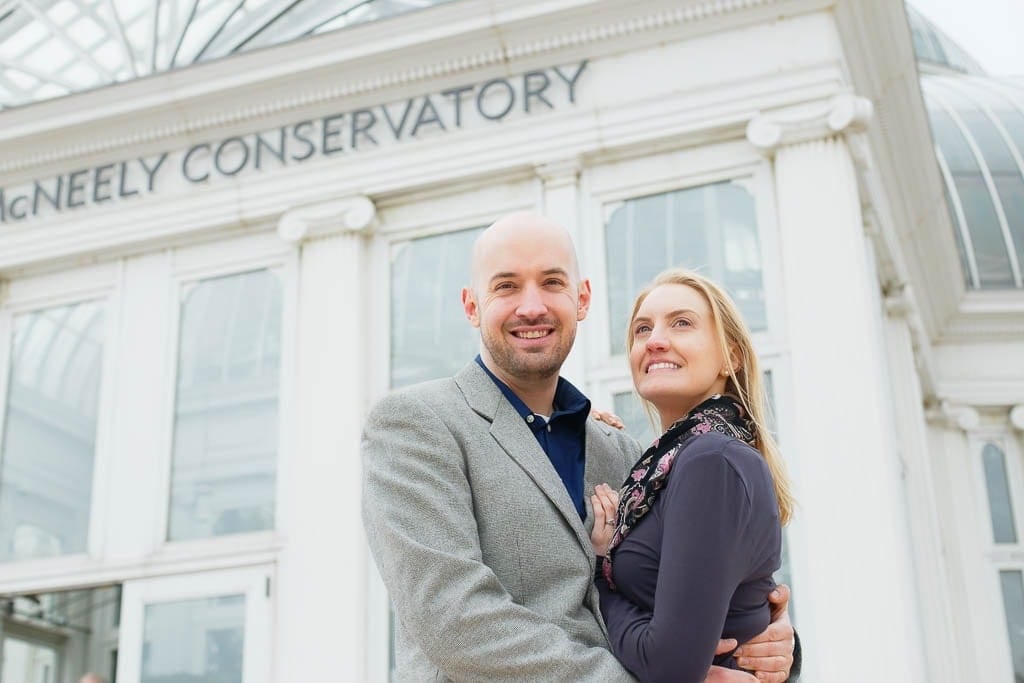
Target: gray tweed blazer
[488,565]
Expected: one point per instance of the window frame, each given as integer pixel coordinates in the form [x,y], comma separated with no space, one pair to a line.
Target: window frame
[191,266]
[997,557]
[606,185]
[32,294]
[255,583]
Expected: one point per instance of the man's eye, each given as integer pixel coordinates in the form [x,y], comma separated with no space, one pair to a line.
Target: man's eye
[503,285]
[554,282]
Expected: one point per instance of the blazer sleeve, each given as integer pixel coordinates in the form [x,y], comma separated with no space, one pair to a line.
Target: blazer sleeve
[418,515]
[704,555]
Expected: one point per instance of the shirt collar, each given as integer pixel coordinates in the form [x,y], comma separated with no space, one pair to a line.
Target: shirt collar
[568,399]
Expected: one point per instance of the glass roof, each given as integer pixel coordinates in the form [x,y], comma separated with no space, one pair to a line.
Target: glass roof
[935,48]
[978,127]
[50,48]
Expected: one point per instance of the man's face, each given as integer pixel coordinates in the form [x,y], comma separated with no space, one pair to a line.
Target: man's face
[526,300]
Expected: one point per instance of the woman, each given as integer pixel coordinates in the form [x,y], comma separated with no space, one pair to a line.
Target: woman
[690,550]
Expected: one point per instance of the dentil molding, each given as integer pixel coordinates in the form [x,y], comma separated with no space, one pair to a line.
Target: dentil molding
[844,114]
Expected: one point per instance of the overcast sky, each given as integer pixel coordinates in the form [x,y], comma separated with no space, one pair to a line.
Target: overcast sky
[991,31]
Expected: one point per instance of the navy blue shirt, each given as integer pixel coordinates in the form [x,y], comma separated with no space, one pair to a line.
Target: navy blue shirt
[562,436]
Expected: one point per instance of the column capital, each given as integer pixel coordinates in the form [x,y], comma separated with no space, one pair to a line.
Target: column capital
[559,173]
[842,114]
[954,415]
[354,214]
[1017,417]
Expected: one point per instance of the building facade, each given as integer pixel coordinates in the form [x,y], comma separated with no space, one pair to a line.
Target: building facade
[218,251]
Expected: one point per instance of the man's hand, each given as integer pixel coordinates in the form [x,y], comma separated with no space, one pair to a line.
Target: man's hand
[719,674]
[770,654]
[607,417]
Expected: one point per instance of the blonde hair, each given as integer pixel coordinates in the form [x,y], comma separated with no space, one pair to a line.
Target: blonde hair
[744,381]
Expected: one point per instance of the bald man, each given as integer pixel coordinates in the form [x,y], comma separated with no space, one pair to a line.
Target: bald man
[91,678]
[476,488]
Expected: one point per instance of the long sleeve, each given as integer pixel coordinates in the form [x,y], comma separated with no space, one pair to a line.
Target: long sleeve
[418,512]
[704,555]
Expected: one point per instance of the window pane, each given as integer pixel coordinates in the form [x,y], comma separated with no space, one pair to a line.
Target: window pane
[194,641]
[83,622]
[711,229]
[28,662]
[430,336]
[630,410]
[225,431]
[999,502]
[1013,602]
[49,438]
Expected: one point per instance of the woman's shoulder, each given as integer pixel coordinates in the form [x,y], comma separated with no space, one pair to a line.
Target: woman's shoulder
[701,449]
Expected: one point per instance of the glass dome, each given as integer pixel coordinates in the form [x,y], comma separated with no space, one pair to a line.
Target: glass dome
[978,126]
[50,48]
[934,48]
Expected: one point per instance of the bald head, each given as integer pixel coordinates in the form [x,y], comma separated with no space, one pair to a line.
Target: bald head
[523,228]
[91,678]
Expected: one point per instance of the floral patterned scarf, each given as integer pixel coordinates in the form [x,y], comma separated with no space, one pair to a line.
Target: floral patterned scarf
[720,413]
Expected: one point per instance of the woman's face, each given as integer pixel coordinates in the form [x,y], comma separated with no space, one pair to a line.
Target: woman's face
[675,358]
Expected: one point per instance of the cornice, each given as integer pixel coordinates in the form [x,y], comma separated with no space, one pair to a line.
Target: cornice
[486,30]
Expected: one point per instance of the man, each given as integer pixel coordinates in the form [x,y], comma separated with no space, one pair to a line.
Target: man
[475,488]
[91,678]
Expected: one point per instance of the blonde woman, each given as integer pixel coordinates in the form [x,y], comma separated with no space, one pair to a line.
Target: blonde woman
[692,543]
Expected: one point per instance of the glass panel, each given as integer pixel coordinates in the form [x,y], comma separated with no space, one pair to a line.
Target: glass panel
[194,641]
[712,229]
[430,336]
[225,433]
[27,662]
[1000,504]
[81,621]
[630,410]
[50,48]
[1013,603]
[49,439]
[979,211]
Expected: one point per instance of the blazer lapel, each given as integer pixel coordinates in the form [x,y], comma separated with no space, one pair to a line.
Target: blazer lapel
[516,439]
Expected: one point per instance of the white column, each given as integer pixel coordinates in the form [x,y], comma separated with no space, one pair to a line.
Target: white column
[321,625]
[923,478]
[853,563]
[560,182]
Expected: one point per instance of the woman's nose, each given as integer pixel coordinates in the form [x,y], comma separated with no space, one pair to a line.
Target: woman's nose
[656,341]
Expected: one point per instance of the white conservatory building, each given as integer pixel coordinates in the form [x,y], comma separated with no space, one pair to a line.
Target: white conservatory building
[226,227]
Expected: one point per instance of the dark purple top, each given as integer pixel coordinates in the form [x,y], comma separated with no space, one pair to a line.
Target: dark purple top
[698,566]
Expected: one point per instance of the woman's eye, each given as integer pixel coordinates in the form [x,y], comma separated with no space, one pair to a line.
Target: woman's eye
[681,322]
[642,329]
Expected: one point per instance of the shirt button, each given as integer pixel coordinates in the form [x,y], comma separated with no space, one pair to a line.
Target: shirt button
[549,428]
[529,418]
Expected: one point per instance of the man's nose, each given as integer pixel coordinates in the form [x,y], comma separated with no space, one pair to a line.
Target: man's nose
[531,303]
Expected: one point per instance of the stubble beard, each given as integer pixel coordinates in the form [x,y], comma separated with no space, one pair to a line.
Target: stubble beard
[525,365]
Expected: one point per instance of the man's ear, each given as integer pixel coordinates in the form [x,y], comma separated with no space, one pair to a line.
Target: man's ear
[583,300]
[470,307]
